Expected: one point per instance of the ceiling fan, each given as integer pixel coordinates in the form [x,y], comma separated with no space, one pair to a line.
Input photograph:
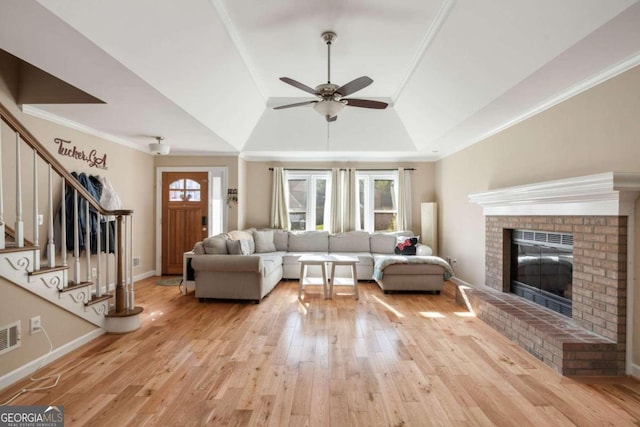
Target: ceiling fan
[331,96]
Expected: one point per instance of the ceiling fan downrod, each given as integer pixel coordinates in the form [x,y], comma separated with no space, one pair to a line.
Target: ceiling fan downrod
[329,37]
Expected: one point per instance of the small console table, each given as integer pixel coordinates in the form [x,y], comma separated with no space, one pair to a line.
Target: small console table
[188,281]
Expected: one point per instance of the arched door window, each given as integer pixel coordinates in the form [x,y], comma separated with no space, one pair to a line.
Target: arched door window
[184,190]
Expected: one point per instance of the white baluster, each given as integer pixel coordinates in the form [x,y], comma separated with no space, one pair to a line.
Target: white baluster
[98,252]
[36,223]
[3,244]
[131,293]
[125,259]
[106,267]
[19,223]
[63,223]
[87,246]
[76,239]
[51,246]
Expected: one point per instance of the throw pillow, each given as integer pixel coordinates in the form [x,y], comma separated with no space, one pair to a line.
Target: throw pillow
[240,247]
[406,245]
[233,246]
[264,241]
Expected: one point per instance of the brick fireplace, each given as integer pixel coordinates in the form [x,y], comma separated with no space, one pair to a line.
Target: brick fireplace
[596,211]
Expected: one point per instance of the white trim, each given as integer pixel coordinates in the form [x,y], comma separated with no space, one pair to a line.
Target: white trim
[24,370]
[218,5]
[609,193]
[144,275]
[41,114]
[211,170]
[634,371]
[443,13]
[559,98]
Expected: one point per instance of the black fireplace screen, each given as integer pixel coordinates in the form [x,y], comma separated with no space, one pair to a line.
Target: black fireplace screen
[542,271]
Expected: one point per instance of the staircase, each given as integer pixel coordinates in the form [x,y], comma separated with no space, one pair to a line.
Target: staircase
[96,285]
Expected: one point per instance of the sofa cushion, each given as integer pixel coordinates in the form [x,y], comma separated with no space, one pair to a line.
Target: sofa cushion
[198,249]
[292,257]
[216,245]
[382,243]
[271,262]
[264,241]
[364,258]
[281,239]
[309,241]
[353,241]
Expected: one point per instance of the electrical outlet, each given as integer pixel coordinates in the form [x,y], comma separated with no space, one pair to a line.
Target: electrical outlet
[40,219]
[35,325]
[94,272]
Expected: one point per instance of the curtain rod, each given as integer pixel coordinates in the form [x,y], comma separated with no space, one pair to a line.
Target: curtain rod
[343,169]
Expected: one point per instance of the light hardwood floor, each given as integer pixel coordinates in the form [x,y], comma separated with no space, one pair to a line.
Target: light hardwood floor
[385,360]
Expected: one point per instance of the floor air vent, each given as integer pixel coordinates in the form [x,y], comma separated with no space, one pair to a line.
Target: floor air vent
[9,337]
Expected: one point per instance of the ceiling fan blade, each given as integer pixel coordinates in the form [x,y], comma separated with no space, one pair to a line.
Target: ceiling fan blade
[299,85]
[297,104]
[366,103]
[354,86]
[332,119]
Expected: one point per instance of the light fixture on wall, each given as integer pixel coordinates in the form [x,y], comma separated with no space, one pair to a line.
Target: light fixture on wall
[158,148]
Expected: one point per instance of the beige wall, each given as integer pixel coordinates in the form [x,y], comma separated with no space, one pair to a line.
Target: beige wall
[596,131]
[131,174]
[259,186]
[230,162]
[61,326]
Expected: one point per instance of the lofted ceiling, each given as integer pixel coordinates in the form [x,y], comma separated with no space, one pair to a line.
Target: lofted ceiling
[205,73]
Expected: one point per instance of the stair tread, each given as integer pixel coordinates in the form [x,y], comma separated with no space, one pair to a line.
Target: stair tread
[44,270]
[73,286]
[11,248]
[95,299]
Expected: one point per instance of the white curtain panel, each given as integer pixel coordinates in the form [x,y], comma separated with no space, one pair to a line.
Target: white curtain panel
[404,200]
[343,200]
[279,208]
[335,219]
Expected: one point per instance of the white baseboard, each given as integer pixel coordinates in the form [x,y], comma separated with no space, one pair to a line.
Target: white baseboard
[460,282]
[634,371]
[144,275]
[29,368]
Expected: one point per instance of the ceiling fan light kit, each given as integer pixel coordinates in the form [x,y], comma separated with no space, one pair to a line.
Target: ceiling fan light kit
[330,100]
[158,148]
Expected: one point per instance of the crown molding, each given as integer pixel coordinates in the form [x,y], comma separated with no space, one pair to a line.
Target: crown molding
[41,114]
[609,193]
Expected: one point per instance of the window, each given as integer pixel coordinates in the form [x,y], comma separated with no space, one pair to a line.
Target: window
[184,190]
[377,201]
[309,200]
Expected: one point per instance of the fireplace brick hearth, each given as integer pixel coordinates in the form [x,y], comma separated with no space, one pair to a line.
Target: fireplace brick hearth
[595,210]
[593,341]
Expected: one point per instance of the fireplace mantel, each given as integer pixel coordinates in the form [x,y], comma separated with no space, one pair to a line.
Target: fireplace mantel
[609,193]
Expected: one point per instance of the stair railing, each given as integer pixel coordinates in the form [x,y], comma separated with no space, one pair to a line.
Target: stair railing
[123,259]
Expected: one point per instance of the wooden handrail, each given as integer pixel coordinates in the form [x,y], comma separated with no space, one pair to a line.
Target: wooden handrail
[45,155]
[120,298]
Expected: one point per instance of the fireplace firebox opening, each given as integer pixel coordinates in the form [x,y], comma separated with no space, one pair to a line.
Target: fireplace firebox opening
[542,268]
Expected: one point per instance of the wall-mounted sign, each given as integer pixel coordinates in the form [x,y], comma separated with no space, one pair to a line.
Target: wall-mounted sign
[92,157]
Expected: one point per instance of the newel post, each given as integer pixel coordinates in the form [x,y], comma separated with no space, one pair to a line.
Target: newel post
[120,289]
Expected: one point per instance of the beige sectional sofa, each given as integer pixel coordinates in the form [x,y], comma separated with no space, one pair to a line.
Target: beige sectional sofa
[248,264]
